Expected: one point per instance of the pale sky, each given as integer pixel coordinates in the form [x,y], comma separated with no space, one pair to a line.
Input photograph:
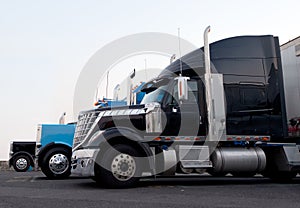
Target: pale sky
[45,44]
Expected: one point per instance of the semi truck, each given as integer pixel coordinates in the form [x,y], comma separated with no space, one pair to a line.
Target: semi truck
[22,155]
[51,152]
[219,109]
[54,149]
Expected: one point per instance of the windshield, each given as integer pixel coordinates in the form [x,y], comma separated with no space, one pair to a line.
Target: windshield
[155,95]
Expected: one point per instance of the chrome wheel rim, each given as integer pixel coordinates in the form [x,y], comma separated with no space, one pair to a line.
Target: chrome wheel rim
[123,167]
[21,163]
[58,163]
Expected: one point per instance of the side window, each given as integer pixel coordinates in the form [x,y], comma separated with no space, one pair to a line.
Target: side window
[192,91]
[173,96]
[253,96]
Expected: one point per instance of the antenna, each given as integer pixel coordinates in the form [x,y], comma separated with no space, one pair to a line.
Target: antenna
[107,84]
[179,51]
[146,69]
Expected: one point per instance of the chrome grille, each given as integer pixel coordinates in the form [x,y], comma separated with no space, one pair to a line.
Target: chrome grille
[84,124]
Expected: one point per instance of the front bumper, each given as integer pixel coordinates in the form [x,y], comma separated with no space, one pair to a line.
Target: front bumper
[83,161]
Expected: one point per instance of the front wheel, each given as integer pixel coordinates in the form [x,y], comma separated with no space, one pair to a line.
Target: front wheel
[21,163]
[56,163]
[118,168]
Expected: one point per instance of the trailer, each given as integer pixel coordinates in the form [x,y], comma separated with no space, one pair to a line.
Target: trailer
[219,109]
[290,56]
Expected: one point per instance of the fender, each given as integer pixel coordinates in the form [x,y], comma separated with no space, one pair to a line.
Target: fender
[120,135]
[46,148]
[125,136]
[31,157]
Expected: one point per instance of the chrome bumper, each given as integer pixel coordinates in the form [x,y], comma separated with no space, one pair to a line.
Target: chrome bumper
[83,161]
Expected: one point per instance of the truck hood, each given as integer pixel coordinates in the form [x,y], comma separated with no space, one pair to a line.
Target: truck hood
[113,108]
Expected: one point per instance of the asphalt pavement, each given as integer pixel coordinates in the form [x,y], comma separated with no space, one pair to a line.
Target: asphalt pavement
[33,189]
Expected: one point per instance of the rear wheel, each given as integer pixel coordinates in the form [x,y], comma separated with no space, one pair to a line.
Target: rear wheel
[21,163]
[118,168]
[56,163]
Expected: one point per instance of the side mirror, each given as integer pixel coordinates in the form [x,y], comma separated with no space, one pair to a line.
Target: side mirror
[182,87]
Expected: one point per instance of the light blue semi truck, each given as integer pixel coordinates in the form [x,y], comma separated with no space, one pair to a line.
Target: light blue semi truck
[50,152]
[54,149]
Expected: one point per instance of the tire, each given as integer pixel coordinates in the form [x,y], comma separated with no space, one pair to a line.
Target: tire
[57,163]
[21,163]
[118,168]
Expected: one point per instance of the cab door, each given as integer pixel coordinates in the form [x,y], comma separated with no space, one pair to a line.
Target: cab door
[185,118]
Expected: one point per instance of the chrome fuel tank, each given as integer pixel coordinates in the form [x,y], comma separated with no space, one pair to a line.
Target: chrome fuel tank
[233,159]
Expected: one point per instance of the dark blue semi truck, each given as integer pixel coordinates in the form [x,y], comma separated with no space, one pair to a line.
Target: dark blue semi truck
[219,109]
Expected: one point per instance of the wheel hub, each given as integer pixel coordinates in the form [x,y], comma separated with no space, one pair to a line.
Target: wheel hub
[123,167]
[21,163]
[58,163]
